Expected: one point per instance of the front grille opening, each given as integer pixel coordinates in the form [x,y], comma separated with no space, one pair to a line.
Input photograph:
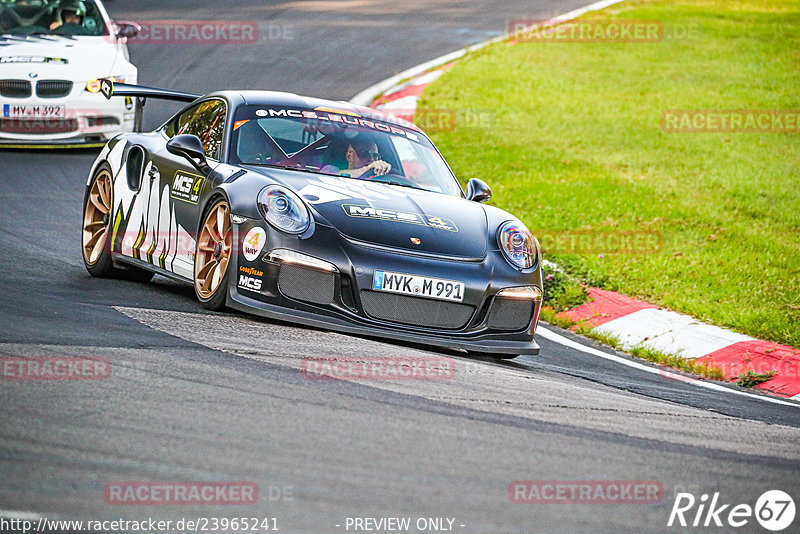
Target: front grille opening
[307,285]
[38,126]
[53,88]
[93,122]
[416,311]
[15,88]
[510,314]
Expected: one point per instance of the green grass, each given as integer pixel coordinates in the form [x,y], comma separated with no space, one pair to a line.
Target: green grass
[568,135]
[678,362]
[599,335]
[549,316]
[561,292]
[750,378]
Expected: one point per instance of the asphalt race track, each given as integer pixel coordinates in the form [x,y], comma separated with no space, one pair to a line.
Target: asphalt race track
[199,396]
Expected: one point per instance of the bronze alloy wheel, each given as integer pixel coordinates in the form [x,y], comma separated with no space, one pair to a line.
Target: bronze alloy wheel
[97,218]
[213,251]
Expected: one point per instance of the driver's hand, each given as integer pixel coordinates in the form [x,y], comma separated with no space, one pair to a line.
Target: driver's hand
[55,25]
[380,167]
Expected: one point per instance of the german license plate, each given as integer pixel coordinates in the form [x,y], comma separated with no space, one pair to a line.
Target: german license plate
[35,111]
[418,286]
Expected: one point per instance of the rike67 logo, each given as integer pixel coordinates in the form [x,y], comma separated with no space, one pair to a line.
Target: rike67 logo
[774,510]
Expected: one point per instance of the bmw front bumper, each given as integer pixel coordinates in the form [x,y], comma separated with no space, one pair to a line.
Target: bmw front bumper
[88,120]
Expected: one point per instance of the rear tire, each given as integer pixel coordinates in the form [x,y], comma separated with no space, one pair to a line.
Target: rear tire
[98,220]
[212,256]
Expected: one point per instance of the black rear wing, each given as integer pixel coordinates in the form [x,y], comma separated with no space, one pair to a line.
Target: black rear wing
[141,93]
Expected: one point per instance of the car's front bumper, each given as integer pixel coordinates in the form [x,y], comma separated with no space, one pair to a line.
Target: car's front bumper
[483,344]
[88,120]
[337,302]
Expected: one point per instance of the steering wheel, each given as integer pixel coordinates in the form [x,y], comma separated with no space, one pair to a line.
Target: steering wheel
[71,29]
[369,174]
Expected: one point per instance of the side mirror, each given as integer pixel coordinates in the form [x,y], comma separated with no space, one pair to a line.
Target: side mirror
[478,191]
[191,148]
[127,30]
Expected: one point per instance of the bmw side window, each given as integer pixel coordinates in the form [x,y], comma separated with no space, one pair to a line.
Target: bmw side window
[206,120]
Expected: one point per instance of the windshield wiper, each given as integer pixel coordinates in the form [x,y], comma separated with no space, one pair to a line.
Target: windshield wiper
[401,184]
[297,167]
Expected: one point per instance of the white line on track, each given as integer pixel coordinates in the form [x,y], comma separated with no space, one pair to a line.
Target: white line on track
[561,340]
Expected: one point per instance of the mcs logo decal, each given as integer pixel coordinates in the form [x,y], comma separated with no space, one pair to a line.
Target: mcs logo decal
[247,282]
[369,212]
[186,187]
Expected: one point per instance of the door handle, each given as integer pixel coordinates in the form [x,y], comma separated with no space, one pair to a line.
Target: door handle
[153,173]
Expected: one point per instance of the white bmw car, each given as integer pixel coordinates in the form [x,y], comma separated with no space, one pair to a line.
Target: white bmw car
[52,54]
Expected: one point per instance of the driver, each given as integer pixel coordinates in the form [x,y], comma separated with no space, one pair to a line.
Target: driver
[362,158]
[69,12]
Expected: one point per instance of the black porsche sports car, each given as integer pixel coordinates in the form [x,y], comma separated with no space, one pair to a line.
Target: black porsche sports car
[314,212]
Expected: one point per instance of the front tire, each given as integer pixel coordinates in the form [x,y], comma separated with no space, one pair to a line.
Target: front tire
[212,256]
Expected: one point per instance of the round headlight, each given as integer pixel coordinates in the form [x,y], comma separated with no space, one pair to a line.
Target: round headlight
[518,245]
[283,209]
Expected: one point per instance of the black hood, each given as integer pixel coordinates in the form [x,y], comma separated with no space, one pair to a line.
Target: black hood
[393,216]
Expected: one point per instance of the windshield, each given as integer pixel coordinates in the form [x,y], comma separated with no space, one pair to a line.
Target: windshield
[51,17]
[339,143]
